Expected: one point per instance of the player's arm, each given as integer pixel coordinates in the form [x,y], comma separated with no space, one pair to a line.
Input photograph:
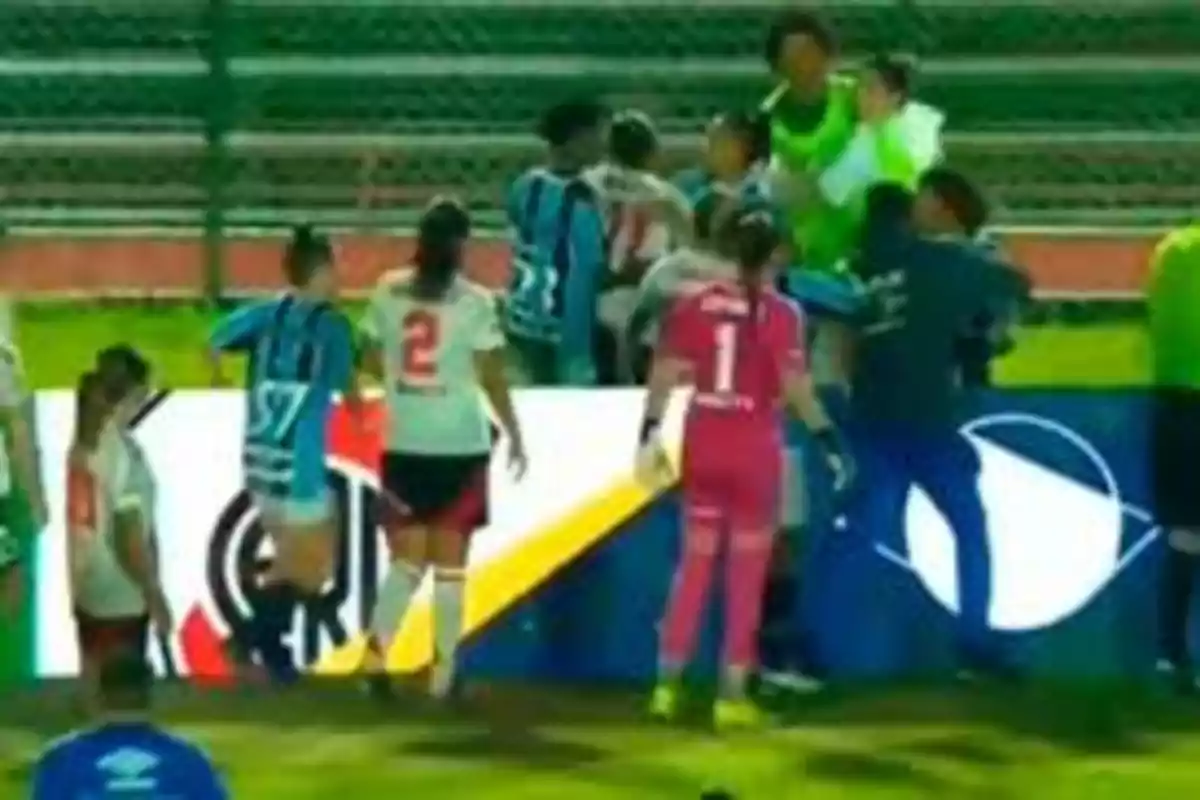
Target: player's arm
[236,332]
[340,362]
[131,540]
[491,368]
[649,303]
[588,258]
[82,518]
[800,394]
[673,359]
[21,444]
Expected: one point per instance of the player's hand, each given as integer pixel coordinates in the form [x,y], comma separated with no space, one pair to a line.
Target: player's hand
[652,468]
[842,467]
[160,613]
[518,459]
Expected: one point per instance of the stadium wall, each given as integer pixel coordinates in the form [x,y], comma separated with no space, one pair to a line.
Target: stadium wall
[568,580]
[1066,263]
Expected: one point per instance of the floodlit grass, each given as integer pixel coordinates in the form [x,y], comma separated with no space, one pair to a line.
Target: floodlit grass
[59,341]
[1048,743]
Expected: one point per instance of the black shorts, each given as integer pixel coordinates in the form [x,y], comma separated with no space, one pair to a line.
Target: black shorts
[1175,450]
[443,492]
[100,637]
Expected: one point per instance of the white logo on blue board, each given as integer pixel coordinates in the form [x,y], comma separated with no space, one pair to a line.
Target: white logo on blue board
[1055,540]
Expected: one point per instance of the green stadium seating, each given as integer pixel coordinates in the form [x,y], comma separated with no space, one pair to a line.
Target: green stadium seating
[504,103]
[642,28]
[341,70]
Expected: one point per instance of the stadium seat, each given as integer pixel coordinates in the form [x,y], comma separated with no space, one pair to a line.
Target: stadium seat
[345,107]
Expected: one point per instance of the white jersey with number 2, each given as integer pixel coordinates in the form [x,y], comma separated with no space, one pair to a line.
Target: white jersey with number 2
[434,402]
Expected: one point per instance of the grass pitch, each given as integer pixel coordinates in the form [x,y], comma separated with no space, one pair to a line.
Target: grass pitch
[1046,743]
[59,341]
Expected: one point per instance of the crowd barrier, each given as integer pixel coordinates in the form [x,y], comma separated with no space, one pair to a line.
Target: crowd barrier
[569,579]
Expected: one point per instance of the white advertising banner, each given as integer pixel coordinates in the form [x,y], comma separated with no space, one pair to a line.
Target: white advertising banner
[581,447]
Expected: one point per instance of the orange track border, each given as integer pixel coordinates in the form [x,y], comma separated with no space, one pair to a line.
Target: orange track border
[1070,265]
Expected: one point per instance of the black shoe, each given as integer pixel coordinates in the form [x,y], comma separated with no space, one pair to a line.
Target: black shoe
[379,687]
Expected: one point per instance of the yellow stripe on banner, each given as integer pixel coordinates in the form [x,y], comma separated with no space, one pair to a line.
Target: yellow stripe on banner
[494,586]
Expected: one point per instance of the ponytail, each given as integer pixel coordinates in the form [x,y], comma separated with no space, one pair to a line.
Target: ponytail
[752,240]
[91,410]
[441,234]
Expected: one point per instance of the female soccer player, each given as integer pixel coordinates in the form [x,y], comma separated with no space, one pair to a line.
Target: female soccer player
[22,499]
[112,561]
[301,352]
[673,275]
[647,218]
[735,148]
[742,346]
[434,339]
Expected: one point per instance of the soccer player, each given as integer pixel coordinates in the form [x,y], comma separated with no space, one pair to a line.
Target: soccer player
[673,275]
[735,148]
[434,339]
[125,755]
[647,218]
[742,345]
[813,116]
[896,140]
[22,499]
[301,352]
[112,561]
[925,292]
[559,251]
[1175,440]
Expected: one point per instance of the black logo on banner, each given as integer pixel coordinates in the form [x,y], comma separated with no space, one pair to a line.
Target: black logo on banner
[240,552]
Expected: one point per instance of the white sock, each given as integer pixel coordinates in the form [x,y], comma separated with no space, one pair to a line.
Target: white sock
[447,627]
[395,594]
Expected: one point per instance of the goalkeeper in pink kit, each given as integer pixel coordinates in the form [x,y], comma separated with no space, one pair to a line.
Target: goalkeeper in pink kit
[741,345]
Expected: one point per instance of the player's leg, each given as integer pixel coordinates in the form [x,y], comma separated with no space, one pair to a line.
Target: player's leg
[947,467]
[753,519]
[273,601]
[408,546]
[691,586]
[1175,437]
[97,638]
[778,644]
[465,483]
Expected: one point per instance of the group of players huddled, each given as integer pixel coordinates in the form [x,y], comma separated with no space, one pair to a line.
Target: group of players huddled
[829,198]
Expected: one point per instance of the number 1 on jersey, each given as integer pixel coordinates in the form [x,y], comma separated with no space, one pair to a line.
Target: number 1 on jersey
[726,355]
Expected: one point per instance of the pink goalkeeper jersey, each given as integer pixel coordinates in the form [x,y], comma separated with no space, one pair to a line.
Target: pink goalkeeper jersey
[737,366]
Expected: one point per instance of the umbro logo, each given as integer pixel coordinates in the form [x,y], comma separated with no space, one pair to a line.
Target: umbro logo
[128,762]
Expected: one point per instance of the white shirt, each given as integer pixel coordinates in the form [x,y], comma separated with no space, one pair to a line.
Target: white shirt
[434,400]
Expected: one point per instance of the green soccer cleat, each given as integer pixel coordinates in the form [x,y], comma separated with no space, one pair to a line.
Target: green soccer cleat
[737,715]
[664,703]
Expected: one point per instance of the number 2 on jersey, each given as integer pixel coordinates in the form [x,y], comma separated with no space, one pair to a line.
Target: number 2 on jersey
[422,334]
[726,355]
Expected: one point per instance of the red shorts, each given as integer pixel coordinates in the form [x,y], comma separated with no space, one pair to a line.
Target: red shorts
[447,493]
[733,483]
[100,636]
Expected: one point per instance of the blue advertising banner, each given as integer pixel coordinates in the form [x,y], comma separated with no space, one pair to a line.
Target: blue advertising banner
[1072,547]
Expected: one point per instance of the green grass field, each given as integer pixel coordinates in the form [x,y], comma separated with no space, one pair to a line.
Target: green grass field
[1041,743]
[1046,743]
[59,341]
